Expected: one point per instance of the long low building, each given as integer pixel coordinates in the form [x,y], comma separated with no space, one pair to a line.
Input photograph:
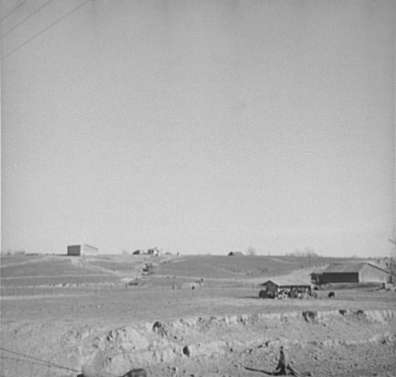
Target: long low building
[351,273]
[81,250]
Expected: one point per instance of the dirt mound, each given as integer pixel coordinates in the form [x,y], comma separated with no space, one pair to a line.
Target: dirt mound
[176,342]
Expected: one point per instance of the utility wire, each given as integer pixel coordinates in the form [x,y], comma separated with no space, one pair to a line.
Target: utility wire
[49,363]
[26,18]
[37,361]
[12,11]
[34,36]
[24,360]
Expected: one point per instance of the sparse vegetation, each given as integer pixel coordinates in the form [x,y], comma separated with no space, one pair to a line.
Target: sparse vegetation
[130,308]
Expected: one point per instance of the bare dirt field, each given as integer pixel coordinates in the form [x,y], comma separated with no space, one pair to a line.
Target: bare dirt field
[107,327]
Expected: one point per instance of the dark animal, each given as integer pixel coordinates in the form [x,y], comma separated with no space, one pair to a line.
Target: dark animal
[310,316]
[359,313]
[331,295]
[136,373]
[186,351]
[265,293]
[159,328]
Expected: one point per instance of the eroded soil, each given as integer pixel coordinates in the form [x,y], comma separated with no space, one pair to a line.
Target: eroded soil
[209,332]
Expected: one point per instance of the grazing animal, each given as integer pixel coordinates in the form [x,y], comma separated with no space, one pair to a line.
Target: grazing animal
[331,294]
[159,328]
[310,315]
[197,284]
[263,293]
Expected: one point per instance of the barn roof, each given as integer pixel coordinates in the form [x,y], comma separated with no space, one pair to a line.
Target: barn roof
[90,246]
[349,267]
[288,280]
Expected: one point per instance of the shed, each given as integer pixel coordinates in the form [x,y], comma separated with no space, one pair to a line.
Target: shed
[286,283]
[80,250]
[235,253]
[153,251]
[351,273]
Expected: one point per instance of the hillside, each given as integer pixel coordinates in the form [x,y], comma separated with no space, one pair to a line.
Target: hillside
[62,270]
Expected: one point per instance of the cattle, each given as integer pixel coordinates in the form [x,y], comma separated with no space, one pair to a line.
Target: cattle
[265,293]
[196,284]
[331,294]
[310,315]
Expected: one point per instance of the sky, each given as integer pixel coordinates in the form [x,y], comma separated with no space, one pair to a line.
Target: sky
[199,126]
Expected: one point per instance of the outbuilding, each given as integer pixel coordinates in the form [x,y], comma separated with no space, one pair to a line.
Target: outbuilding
[351,273]
[235,254]
[80,250]
[291,287]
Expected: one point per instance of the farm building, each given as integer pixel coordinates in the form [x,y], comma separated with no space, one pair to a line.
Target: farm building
[153,251]
[235,254]
[351,273]
[275,286]
[80,250]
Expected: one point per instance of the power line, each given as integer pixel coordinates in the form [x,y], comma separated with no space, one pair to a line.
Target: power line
[26,18]
[26,360]
[32,358]
[13,10]
[45,29]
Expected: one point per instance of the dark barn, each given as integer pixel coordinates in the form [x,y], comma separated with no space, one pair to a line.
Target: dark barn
[351,273]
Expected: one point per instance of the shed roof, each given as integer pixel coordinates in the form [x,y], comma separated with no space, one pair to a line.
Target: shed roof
[85,245]
[288,280]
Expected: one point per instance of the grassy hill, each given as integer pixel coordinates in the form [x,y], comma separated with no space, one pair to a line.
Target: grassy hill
[49,270]
[237,267]
[55,270]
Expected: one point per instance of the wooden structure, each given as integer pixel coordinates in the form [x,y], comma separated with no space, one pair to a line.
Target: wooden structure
[291,288]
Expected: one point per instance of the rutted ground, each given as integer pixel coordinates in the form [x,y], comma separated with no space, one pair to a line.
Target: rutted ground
[346,342]
[226,343]
[218,330]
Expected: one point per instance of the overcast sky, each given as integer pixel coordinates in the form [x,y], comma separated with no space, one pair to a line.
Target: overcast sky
[198,126]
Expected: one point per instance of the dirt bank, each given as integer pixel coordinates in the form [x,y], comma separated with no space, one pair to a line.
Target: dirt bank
[325,343]
[197,340]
